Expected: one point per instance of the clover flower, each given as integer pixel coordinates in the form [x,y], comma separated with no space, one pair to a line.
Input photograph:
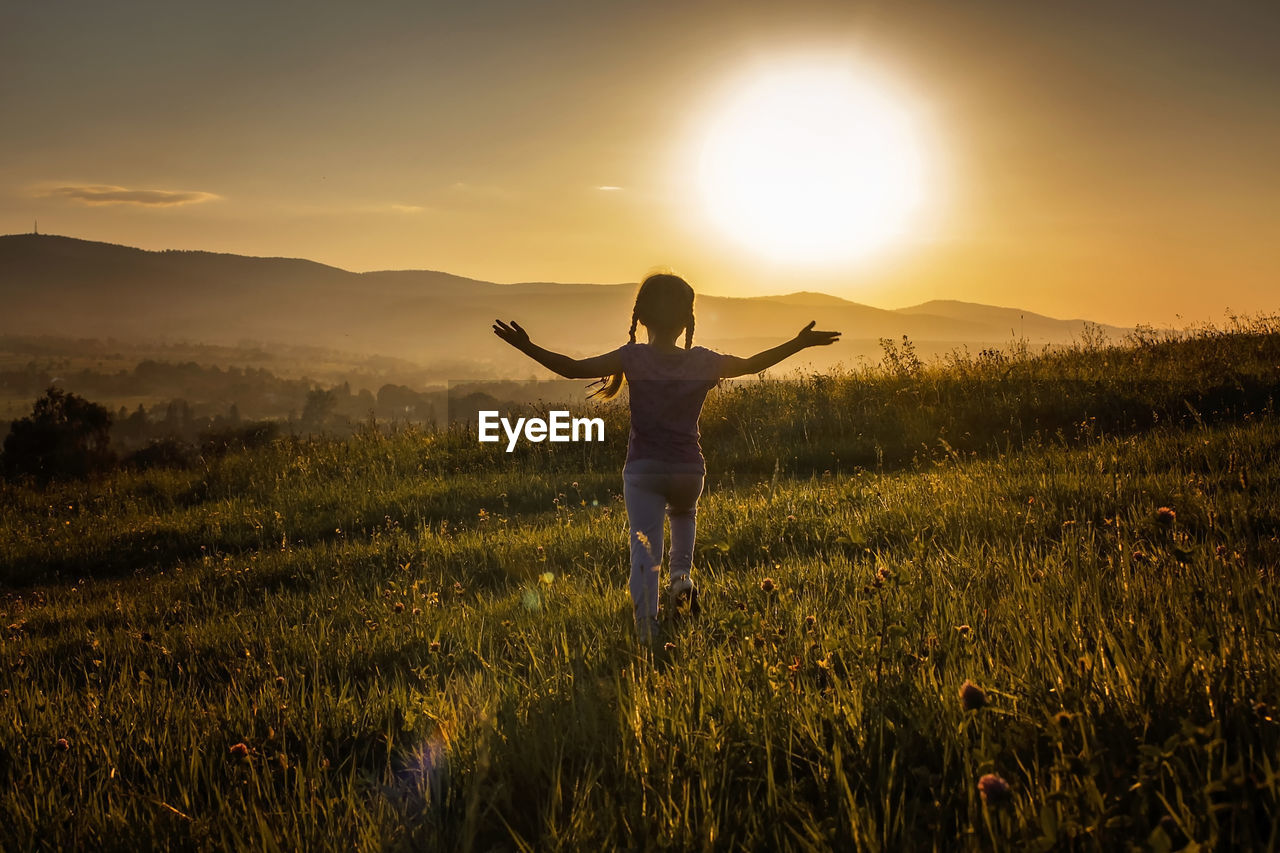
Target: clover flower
[972,697]
[993,788]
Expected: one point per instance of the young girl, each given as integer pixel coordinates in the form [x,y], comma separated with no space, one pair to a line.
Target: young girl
[665,469]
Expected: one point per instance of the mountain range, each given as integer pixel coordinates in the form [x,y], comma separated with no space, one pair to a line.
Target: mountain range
[54,285]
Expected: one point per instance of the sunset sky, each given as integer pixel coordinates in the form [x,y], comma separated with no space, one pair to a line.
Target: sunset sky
[1114,161]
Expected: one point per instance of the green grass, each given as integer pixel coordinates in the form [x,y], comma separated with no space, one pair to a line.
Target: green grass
[373,619]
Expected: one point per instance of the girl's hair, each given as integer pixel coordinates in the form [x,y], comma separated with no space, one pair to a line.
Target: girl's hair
[664,301]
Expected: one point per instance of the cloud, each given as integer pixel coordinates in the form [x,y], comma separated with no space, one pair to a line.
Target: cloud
[481,191]
[101,194]
[407,208]
[609,188]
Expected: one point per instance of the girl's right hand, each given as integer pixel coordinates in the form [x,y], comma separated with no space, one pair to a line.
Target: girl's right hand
[809,337]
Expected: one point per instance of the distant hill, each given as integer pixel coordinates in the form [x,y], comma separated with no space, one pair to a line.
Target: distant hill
[77,288]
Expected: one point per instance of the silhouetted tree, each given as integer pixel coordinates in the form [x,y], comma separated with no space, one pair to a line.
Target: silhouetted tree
[320,405]
[64,436]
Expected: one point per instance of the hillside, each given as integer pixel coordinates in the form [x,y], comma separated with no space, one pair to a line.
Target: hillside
[68,287]
[1012,603]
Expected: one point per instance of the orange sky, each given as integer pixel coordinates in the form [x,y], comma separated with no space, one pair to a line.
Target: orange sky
[1109,164]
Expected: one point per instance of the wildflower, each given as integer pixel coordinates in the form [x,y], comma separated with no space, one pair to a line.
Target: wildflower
[791,518]
[435,646]
[1139,556]
[767,585]
[993,788]
[240,750]
[884,573]
[1037,576]
[670,647]
[280,682]
[1165,515]
[972,697]
[417,611]
[809,622]
[1062,719]
[399,607]
[458,589]
[794,666]
[963,630]
[63,744]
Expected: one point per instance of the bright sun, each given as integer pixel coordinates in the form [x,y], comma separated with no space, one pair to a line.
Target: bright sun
[812,164]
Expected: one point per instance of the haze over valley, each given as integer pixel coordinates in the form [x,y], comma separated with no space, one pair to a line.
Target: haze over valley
[431,320]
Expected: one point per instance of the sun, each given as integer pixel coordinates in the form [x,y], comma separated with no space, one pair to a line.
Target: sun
[813,164]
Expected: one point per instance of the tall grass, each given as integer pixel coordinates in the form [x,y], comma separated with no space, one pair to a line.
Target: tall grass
[414,640]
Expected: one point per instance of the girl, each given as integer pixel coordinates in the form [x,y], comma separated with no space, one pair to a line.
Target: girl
[665,469]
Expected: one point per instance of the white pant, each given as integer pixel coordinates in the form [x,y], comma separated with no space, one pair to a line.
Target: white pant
[652,489]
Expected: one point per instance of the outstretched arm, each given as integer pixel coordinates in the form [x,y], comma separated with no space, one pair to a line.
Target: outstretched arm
[807,337]
[570,368]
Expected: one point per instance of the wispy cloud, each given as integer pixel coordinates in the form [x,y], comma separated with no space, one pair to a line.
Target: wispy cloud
[609,188]
[353,207]
[97,194]
[485,191]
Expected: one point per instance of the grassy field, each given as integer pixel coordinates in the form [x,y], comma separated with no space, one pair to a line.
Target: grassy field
[1008,601]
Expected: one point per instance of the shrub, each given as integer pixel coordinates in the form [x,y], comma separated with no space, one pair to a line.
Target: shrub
[164,453]
[65,436]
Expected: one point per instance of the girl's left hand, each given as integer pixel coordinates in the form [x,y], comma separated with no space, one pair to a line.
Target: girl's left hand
[512,334]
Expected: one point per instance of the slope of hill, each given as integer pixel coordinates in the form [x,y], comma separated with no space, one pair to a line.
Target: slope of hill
[70,287]
[1022,603]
